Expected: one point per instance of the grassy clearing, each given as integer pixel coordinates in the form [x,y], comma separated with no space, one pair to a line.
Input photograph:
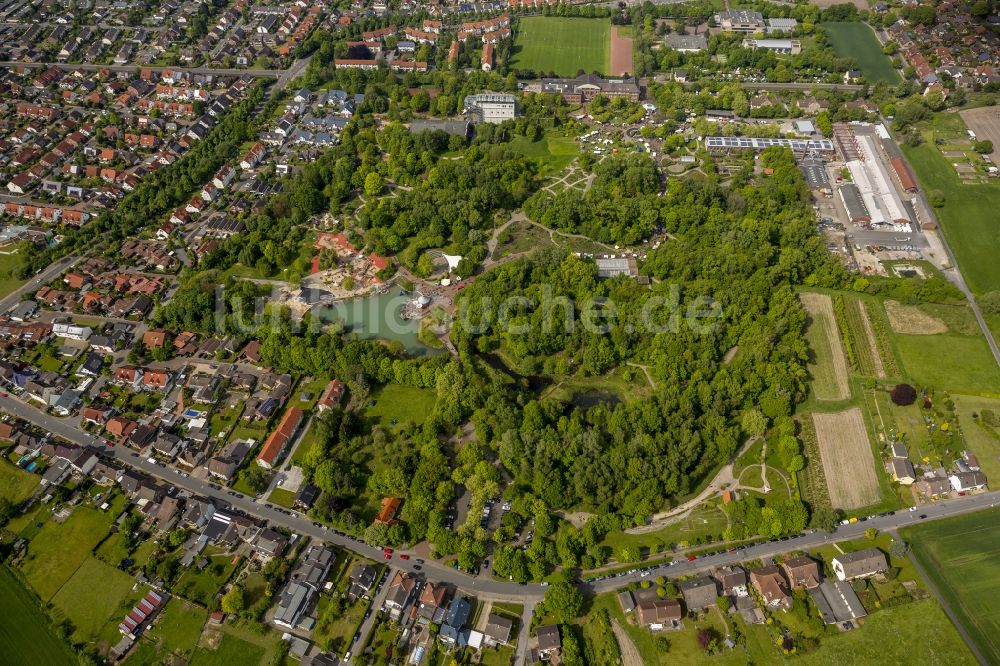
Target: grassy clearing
[983,440]
[858,41]
[968,217]
[553,151]
[396,404]
[16,485]
[959,555]
[562,45]
[25,636]
[828,367]
[201,585]
[282,497]
[57,551]
[231,650]
[9,264]
[920,634]
[701,523]
[962,364]
[176,632]
[92,596]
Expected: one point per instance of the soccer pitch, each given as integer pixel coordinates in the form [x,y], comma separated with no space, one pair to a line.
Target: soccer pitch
[562,45]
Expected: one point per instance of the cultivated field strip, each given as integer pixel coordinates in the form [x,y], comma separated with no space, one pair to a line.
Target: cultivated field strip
[829,369]
[847,459]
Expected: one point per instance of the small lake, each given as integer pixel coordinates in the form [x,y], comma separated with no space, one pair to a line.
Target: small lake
[378,317]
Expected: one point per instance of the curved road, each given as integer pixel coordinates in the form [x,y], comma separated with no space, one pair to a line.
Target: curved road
[487,588]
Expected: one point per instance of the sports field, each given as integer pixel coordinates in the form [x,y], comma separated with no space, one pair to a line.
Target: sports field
[960,555]
[25,637]
[562,45]
[857,41]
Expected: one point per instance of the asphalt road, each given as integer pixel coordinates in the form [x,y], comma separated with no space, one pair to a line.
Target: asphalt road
[89,67]
[484,587]
[13,298]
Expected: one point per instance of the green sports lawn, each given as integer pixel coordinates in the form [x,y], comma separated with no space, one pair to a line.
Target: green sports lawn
[858,41]
[562,45]
[960,556]
[25,637]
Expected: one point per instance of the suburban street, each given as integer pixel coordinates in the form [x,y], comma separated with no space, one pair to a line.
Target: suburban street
[56,269]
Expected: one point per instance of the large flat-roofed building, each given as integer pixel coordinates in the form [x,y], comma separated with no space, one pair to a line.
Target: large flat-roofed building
[614,266]
[779,46]
[799,146]
[586,87]
[781,25]
[491,107]
[855,205]
[686,43]
[869,174]
[740,20]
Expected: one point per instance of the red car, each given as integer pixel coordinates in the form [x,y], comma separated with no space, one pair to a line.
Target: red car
[404,557]
[692,558]
[388,556]
[387,551]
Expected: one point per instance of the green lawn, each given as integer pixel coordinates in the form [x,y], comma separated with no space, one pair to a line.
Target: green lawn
[960,556]
[8,264]
[202,585]
[562,45]
[16,484]
[960,364]
[25,636]
[395,402]
[91,598]
[231,650]
[701,523]
[282,497]
[553,151]
[916,633]
[57,551]
[983,440]
[858,41]
[175,631]
[968,217]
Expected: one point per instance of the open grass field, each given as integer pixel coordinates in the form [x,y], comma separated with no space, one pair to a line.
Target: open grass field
[968,217]
[175,631]
[231,650]
[16,484]
[962,364]
[702,522]
[553,151]
[202,585]
[25,636]
[562,45]
[847,459]
[829,367]
[92,596]
[960,556]
[395,402]
[858,41]
[983,440]
[8,264]
[916,633]
[57,551]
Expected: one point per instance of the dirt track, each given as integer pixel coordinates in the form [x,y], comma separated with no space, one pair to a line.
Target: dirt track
[621,53]
[630,655]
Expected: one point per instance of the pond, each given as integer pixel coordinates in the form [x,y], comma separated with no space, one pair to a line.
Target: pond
[378,317]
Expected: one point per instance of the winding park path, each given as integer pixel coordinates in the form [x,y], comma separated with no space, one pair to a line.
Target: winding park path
[723,479]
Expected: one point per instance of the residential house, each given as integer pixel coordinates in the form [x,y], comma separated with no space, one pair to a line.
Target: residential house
[280,438]
[772,587]
[549,642]
[659,614]
[154,338]
[432,600]
[802,572]
[498,630]
[860,564]
[400,593]
[390,507]
[332,395]
[967,481]
[363,578]
[699,593]
[732,580]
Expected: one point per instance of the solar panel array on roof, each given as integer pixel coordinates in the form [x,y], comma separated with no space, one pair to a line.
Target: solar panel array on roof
[762,143]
